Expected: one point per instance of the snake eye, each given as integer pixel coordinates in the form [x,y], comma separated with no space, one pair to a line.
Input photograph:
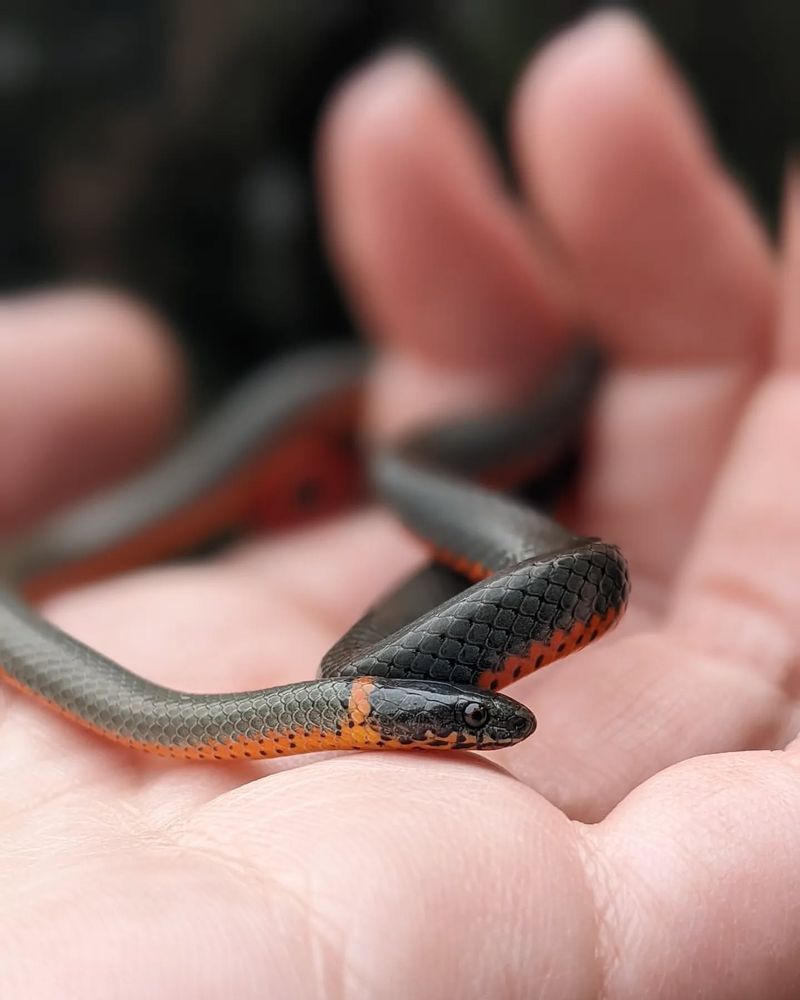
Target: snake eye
[475,715]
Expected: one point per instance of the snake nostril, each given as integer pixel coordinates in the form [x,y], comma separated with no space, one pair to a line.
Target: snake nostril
[524,723]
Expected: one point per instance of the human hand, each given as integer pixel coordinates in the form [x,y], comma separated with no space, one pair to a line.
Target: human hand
[578,870]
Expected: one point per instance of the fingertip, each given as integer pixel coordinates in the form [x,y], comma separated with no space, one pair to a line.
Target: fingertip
[613,152]
[372,114]
[381,85]
[391,134]
[585,68]
[593,86]
[435,254]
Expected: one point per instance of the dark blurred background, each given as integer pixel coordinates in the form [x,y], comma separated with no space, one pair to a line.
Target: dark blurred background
[167,146]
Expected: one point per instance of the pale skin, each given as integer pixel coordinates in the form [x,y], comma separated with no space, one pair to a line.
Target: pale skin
[646,840]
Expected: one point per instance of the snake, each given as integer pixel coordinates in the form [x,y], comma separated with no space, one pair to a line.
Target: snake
[507,589]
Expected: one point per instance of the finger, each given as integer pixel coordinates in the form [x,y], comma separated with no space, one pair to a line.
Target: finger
[693,879]
[616,714]
[722,673]
[480,866]
[740,595]
[670,267]
[380,874]
[611,717]
[90,388]
[434,253]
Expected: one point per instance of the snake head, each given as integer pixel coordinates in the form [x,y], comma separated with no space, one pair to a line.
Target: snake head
[446,716]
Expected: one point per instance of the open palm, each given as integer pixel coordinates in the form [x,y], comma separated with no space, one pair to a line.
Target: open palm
[585,864]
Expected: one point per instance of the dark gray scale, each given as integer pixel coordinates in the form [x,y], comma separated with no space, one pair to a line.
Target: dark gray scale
[110,698]
[453,637]
[483,527]
[475,631]
[474,446]
[422,591]
[258,411]
[423,481]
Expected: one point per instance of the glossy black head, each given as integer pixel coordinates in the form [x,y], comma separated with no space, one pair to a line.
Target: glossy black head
[446,716]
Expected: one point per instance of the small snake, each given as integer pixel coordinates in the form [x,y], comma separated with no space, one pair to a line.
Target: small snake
[509,590]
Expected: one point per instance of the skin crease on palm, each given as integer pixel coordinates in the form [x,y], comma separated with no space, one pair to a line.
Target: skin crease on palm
[646,840]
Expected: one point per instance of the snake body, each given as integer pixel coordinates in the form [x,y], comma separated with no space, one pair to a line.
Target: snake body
[509,589]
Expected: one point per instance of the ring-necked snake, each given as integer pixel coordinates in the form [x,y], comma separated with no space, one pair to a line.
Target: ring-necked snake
[422,668]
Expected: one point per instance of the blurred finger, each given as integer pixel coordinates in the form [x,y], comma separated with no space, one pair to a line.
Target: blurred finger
[687,879]
[433,251]
[693,879]
[740,596]
[669,264]
[89,387]
[723,672]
